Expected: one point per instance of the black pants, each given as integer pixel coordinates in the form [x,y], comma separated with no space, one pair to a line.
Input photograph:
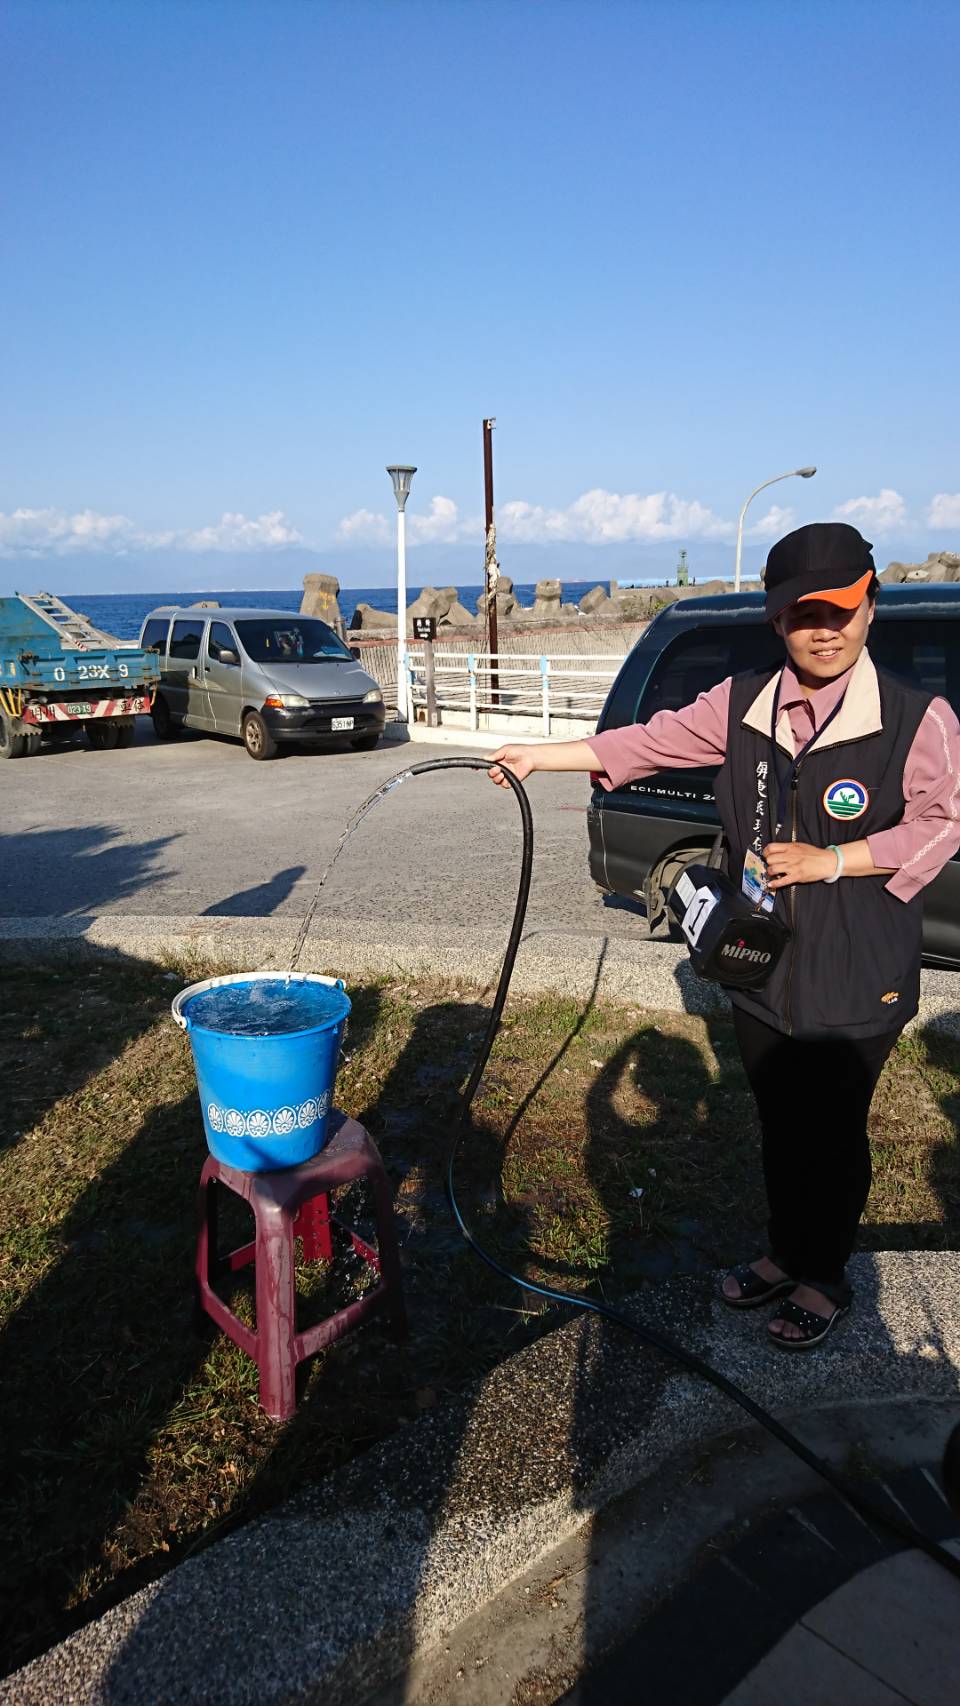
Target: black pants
[813,1097]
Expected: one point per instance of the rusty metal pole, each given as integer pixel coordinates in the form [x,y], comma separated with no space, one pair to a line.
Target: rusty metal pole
[490,572]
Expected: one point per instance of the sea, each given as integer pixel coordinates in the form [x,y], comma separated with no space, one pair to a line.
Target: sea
[121,613]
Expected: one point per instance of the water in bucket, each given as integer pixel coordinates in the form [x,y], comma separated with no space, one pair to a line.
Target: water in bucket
[266,1048]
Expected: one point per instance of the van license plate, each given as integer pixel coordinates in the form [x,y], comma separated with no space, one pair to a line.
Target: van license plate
[338,723]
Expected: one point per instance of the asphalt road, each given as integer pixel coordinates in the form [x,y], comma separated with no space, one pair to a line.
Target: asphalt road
[194,826]
[137,850]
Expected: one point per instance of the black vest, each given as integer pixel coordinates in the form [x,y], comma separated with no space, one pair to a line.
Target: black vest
[853,964]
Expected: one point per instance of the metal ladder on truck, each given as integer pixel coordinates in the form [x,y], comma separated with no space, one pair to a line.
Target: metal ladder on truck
[74,632]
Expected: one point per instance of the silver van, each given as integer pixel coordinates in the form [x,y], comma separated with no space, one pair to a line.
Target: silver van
[268,677]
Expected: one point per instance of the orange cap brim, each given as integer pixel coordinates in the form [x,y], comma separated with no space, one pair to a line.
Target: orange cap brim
[848,597]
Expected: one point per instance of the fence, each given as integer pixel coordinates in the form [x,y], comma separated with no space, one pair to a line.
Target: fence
[569,688]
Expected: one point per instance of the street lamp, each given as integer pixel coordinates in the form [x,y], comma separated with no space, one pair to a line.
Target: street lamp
[402,478]
[804,473]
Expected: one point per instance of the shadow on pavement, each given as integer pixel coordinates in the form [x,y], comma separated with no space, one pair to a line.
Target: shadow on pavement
[260,900]
[94,870]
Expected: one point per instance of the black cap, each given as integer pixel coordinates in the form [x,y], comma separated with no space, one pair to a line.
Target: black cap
[828,560]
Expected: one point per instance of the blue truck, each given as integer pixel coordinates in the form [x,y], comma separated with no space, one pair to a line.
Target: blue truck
[60,675]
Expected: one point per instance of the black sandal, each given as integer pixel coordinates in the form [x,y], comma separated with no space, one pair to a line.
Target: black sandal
[754,1289]
[814,1327]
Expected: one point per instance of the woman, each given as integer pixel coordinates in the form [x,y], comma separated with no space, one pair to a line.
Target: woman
[839,796]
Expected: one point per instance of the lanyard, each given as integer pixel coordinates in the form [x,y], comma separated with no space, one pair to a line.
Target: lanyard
[784,787]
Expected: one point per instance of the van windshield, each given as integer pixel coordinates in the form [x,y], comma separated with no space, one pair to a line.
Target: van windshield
[294,639]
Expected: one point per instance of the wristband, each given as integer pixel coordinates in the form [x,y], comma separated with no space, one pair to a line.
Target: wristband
[838,873]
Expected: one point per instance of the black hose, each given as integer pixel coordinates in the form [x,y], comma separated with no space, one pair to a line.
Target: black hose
[670,1348]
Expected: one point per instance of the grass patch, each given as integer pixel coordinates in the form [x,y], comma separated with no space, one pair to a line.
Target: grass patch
[610,1150]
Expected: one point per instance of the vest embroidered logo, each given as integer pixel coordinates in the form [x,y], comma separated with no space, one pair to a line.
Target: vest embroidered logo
[845,799]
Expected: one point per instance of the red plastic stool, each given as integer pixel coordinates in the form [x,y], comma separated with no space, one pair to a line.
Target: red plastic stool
[292,1203]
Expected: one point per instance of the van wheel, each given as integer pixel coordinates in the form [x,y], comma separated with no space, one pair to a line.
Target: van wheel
[257,738]
[164,726]
[103,737]
[366,743]
[12,745]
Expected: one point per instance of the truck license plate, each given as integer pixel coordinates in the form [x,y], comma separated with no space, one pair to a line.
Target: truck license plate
[337,723]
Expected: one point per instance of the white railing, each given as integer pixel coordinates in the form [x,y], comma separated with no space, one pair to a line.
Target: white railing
[529,685]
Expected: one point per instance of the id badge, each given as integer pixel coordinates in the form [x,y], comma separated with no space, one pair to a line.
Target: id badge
[754,882]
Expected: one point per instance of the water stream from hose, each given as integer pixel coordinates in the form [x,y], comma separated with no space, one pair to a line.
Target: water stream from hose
[352,826]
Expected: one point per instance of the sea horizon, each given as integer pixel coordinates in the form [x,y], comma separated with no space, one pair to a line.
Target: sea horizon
[122,613]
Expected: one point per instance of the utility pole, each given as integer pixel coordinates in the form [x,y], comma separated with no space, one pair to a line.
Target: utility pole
[491,570]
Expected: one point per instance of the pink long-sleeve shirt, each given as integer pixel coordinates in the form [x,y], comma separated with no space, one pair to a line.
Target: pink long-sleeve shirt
[915,850]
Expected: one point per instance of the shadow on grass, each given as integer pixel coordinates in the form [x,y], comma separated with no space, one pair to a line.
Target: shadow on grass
[109,1392]
[50,1046]
[129,1441]
[92,1363]
[712,1115]
[941,1045]
[464,1319]
[119,1422]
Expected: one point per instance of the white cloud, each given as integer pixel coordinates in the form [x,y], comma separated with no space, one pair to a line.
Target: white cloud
[882,514]
[234,532]
[773,525]
[38,532]
[365,527]
[51,532]
[597,517]
[443,526]
[944,510]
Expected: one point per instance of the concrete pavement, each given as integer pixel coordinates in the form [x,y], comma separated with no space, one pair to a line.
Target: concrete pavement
[188,848]
[578,964]
[360,1584]
[194,827]
[890,1635]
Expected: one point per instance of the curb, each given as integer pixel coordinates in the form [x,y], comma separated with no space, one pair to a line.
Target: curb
[483,740]
[632,972]
[656,1586]
[335,1593]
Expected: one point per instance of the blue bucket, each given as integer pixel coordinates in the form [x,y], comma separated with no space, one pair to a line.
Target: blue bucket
[266,1063]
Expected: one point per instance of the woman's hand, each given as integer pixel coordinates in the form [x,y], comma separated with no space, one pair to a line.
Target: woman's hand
[521,760]
[791,862]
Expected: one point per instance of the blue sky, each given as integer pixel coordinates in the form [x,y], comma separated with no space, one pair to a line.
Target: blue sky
[252,252]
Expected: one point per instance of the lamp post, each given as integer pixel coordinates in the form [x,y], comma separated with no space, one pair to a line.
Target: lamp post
[804,473]
[402,478]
